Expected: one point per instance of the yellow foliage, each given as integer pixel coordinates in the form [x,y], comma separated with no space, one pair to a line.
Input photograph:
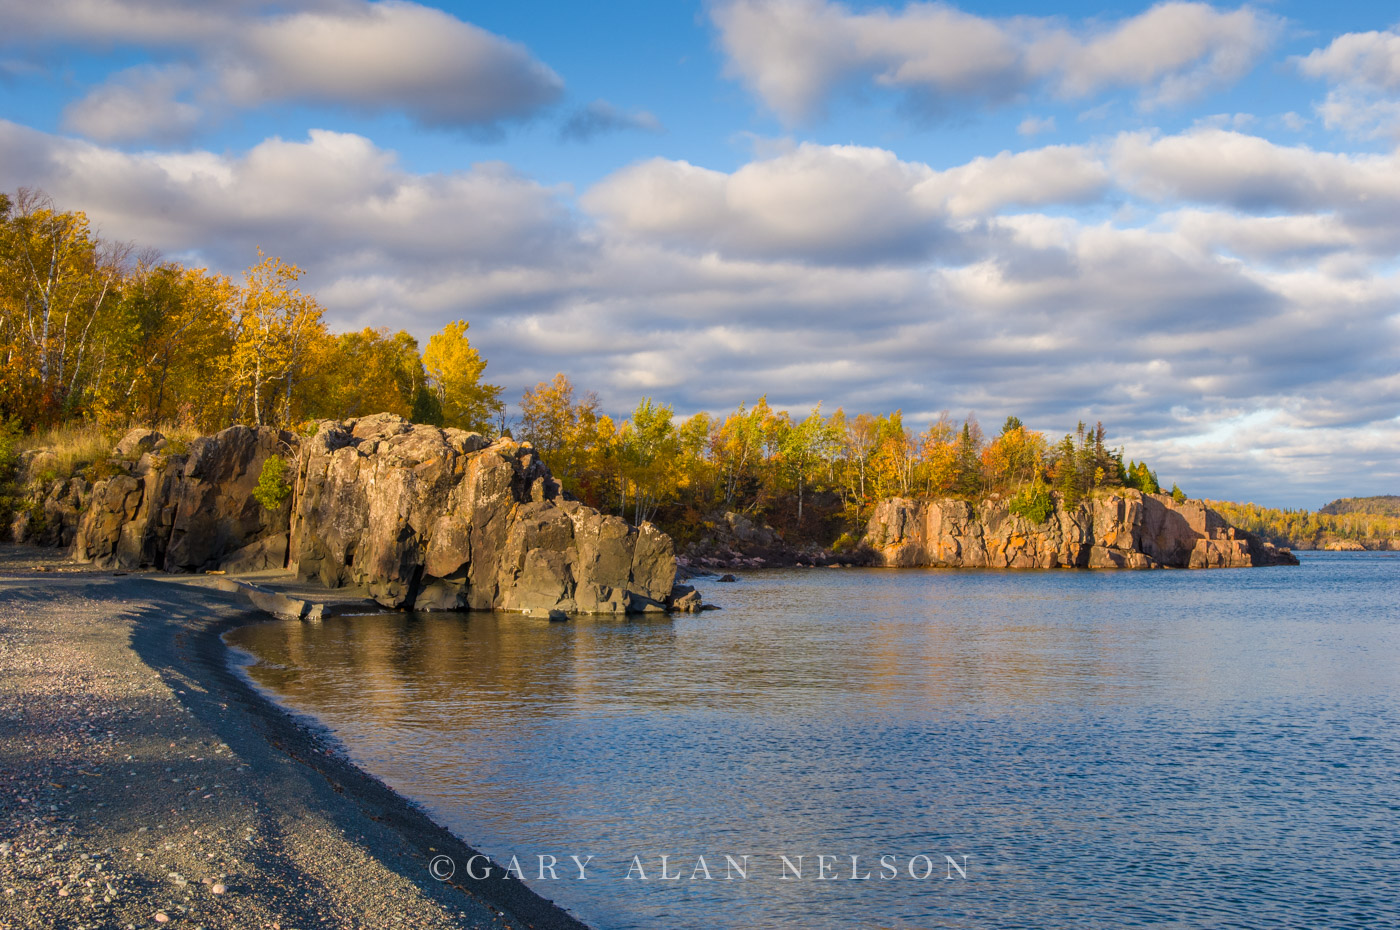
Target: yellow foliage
[454,369]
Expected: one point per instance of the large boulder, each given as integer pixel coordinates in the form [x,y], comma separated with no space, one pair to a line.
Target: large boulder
[138,442]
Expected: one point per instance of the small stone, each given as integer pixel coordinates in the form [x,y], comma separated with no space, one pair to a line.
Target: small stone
[162,917]
[219,888]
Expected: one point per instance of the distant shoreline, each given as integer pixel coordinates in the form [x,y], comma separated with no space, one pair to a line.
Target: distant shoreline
[140,762]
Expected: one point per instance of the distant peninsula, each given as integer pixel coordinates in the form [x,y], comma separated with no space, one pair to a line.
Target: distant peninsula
[1346,524]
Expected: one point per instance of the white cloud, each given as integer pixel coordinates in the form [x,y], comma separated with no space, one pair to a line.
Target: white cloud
[1364,68]
[383,56]
[836,203]
[832,203]
[333,199]
[389,55]
[1175,51]
[1361,112]
[138,103]
[1251,173]
[1371,58]
[847,275]
[1288,239]
[794,53]
[1057,174]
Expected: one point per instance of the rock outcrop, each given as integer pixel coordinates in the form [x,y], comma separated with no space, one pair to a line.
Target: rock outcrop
[1125,529]
[439,519]
[423,518]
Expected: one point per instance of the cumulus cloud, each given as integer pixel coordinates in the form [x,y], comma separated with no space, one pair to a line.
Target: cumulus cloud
[138,103]
[826,203]
[331,199]
[1358,57]
[1361,113]
[390,55]
[847,275]
[1251,173]
[1365,69]
[385,56]
[601,117]
[847,204]
[1174,51]
[794,53]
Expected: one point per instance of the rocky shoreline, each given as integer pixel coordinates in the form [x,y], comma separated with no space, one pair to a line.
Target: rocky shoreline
[422,518]
[143,783]
[1118,529]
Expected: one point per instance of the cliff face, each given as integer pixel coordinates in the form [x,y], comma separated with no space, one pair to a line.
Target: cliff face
[1124,530]
[425,518]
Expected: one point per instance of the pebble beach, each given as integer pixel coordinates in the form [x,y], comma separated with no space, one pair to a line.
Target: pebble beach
[143,783]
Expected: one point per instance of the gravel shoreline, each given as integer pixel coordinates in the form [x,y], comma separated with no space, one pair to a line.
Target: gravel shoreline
[145,784]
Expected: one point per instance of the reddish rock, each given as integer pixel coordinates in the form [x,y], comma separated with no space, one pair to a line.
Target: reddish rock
[1125,529]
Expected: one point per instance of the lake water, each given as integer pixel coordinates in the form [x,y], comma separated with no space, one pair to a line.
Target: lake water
[1164,749]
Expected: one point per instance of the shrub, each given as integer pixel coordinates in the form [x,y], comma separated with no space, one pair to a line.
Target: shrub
[9,466]
[846,542]
[1033,502]
[1178,495]
[272,487]
[103,468]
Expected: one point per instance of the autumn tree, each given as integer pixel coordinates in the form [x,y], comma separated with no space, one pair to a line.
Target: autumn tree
[565,433]
[803,447]
[737,448]
[454,370]
[57,285]
[1015,458]
[367,371]
[275,326]
[648,446]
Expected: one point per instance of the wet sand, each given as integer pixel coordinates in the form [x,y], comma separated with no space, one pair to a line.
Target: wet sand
[145,784]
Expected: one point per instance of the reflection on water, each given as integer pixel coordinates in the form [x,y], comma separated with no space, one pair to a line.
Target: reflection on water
[1107,750]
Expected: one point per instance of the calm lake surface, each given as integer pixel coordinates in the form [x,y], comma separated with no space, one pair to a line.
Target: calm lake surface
[1164,749]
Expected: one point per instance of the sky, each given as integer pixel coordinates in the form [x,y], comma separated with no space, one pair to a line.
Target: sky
[1181,219]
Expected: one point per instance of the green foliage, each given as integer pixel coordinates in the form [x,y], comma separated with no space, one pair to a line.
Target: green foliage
[1033,502]
[1386,505]
[1178,495]
[426,407]
[272,487]
[102,469]
[1143,479]
[1301,529]
[10,433]
[846,542]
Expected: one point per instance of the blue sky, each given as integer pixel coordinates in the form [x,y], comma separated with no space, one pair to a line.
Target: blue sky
[1179,218]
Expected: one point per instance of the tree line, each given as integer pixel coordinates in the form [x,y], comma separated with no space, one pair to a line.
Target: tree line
[1374,527]
[94,331]
[814,475]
